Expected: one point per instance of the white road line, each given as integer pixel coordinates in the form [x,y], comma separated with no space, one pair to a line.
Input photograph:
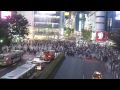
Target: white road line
[83,76]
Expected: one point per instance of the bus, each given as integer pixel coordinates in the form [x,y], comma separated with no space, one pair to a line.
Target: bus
[11,57]
[22,72]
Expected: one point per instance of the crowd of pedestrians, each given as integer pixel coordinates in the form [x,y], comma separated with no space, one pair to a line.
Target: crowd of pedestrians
[85,50]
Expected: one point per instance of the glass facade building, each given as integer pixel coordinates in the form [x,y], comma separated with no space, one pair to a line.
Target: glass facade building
[113,19]
[44,23]
[46,20]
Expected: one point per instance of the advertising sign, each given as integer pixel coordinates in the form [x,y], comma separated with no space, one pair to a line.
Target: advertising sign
[66,13]
[5,14]
[117,15]
[101,36]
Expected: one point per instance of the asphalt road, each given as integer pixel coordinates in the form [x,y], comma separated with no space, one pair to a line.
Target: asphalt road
[75,68]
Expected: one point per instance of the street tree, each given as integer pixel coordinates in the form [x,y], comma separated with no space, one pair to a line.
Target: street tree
[115,37]
[4,32]
[18,25]
[5,38]
[86,34]
[14,25]
[68,31]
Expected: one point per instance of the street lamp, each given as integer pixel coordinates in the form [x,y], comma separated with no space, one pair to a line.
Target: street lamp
[1,41]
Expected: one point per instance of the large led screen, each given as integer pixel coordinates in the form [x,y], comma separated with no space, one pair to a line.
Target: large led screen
[5,14]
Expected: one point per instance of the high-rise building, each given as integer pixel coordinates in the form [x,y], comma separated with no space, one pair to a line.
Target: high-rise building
[43,19]
[69,19]
[44,23]
[103,21]
[113,21]
[5,14]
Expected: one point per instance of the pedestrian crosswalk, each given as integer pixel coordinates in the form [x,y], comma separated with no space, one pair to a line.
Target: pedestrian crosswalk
[88,51]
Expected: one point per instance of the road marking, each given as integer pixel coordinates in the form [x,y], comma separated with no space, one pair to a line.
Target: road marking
[83,76]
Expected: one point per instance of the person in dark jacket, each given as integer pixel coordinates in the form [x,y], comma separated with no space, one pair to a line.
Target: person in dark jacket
[105,58]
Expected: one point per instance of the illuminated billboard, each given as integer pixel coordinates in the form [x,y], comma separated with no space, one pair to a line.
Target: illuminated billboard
[66,13]
[46,12]
[101,36]
[117,17]
[5,14]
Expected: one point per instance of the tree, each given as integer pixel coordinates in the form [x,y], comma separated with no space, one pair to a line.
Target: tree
[69,31]
[86,34]
[15,25]
[4,32]
[115,37]
[18,25]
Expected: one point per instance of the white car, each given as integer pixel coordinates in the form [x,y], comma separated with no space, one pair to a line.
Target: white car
[38,61]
